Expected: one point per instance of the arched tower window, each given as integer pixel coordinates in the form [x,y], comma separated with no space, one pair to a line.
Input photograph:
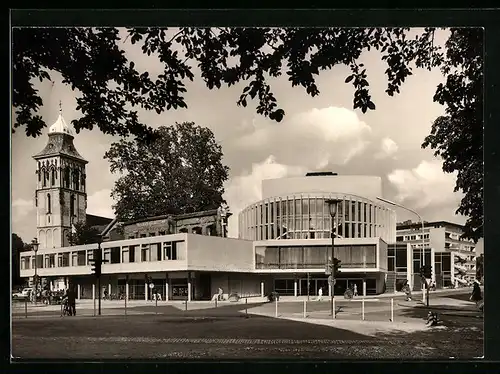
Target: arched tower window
[45,175]
[49,204]
[76,179]
[53,176]
[66,177]
[72,205]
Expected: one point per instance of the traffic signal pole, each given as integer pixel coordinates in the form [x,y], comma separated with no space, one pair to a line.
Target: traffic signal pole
[99,259]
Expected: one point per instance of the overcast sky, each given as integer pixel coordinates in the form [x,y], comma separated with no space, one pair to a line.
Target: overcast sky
[321,133]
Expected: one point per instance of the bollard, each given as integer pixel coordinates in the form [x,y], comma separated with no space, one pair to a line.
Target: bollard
[246,306]
[392,310]
[363,309]
[334,314]
[216,303]
[186,306]
[125,298]
[276,309]
[94,307]
[305,308]
[25,308]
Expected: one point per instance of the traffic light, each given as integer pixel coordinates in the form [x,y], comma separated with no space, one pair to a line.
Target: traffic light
[97,263]
[336,268]
[426,271]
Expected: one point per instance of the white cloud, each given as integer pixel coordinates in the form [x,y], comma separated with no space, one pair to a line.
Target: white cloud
[245,189]
[388,148]
[100,203]
[21,208]
[311,139]
[424,186]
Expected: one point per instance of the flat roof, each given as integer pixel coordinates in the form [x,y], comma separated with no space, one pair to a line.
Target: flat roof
[401,226]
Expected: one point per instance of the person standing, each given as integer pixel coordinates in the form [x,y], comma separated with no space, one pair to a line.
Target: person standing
[355,290]
[320,293]
[476,293]
[71,295]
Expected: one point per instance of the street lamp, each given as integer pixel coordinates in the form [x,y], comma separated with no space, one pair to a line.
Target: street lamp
[333,206]
[34,245]
[423,240]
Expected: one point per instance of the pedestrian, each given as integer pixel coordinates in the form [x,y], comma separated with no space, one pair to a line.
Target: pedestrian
[355,291]
[320,293]
[71,295]
[476,293]
[220,294]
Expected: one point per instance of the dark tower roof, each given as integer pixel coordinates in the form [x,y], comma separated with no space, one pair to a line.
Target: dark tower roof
[60,142]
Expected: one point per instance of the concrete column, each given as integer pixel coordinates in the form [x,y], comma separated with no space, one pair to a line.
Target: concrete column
[166,289]
[126,290]
[295,288]
[78,291]
[364,287]
[189,290]
[146,291]
[329,289]
[261,289]
[109,290]
[93,291]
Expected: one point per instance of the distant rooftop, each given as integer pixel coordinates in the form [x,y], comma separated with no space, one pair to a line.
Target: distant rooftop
[409,225]
[321,174]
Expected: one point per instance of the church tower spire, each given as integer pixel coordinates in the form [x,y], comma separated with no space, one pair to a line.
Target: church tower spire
[61,198]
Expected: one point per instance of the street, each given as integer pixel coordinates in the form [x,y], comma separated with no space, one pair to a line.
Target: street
[239,331]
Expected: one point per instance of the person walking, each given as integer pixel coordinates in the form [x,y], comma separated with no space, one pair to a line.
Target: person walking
[355,290]
[476,295]
[71,295]
[320,293]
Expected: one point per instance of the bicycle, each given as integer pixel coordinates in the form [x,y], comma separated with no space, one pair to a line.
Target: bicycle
[66,311]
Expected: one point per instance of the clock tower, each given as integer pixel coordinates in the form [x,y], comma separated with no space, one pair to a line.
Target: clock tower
[60,197]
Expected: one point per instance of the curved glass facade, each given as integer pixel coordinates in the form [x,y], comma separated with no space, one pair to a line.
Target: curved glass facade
[307,216]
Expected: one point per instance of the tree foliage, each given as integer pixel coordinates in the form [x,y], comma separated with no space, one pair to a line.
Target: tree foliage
[180,171]
[94,63]
[18,246]
[84,234]
[480,267]
[457,137]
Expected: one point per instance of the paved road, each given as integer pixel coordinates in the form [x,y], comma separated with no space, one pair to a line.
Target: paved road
[225,332]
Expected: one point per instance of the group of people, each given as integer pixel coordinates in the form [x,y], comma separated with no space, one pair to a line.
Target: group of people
[350,291]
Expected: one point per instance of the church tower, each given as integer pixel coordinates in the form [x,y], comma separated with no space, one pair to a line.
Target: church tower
[61,198]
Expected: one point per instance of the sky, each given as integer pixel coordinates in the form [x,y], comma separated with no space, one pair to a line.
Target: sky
[317,134]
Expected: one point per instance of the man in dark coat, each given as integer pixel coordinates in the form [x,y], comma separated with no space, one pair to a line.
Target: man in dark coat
[71,295]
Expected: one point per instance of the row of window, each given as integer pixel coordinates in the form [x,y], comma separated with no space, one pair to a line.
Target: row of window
[404,238]
[314,257]
[76,177]
[295,217]
[72,204]
[301,230]
[133,253]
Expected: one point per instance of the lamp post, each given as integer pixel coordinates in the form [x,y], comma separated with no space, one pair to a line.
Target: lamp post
[34,245]
[423,240]
[332,205]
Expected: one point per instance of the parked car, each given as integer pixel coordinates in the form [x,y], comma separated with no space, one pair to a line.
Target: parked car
[24,294]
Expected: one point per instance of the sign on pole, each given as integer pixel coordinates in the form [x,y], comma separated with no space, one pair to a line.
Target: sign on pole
[151,285]
[330,279]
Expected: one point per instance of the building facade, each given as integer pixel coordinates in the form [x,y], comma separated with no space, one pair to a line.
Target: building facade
[284,244]
[453,258]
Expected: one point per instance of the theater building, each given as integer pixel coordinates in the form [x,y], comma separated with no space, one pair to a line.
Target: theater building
[284,240]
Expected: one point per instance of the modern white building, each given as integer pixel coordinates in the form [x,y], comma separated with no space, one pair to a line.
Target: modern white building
[453,258]
[284,242]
